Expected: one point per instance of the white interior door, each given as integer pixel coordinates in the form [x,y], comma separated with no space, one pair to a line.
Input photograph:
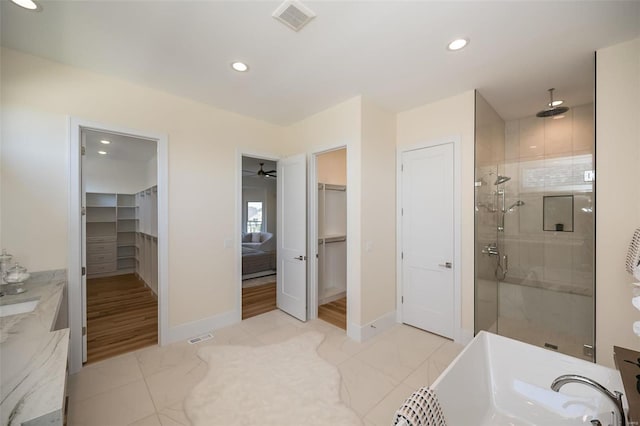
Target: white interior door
[292,236]
[428,239]
[83,248]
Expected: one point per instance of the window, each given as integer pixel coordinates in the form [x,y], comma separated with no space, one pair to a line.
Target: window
[254,216]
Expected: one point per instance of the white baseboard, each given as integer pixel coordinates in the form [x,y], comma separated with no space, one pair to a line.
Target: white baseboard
[361,333]
[205,325]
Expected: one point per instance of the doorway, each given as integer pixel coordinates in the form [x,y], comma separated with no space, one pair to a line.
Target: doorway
[259,235]
[429,229]
[120,243]
[331,231]
[77,290]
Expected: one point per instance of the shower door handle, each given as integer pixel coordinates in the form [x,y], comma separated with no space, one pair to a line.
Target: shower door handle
[447,265]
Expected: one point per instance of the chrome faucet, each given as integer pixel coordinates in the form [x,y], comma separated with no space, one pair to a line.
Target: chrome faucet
[615,396]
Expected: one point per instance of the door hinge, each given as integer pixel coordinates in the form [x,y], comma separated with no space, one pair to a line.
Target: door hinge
[84,330]
[402,212]
[402,299]
[84,271]
[83,150]
[83,211]
[402,167]
[401,255]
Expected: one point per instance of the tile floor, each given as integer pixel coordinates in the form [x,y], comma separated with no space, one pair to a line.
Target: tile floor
[147,387]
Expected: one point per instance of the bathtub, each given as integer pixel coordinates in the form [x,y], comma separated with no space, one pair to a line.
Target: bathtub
[499,381]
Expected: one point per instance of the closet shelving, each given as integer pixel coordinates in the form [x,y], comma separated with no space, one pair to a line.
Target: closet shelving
[110,220]
[126,215]
[332,242]
[146,237]
[122,235]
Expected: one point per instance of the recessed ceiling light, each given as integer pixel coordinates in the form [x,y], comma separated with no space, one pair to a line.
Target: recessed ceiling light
[105,142]
[240,66]
[458,44]
[102,152]
[556,103]
[27,4]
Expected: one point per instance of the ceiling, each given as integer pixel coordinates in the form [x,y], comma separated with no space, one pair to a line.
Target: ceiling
[391,52]
[121,148]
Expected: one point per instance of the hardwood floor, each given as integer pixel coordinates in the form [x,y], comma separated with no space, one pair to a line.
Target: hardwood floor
[334,312]
[258,300]
[122,316]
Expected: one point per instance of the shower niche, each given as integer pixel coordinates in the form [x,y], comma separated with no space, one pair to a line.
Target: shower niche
[535,227]
[558,213]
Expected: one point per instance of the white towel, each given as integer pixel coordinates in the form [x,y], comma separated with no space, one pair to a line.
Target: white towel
[420,409]
[633,255]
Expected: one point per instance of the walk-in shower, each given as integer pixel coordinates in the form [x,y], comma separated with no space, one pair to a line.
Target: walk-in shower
[534,228]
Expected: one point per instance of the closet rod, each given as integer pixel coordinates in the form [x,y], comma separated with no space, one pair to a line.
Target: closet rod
[331,240]
[331,187]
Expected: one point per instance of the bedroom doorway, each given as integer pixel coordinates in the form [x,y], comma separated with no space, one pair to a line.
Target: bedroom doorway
[331,231]
[259,233]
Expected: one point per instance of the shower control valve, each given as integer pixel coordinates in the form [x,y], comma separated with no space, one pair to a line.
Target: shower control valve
[491,249]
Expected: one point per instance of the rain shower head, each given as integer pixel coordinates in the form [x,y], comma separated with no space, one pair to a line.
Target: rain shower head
[502,179]
[552,110]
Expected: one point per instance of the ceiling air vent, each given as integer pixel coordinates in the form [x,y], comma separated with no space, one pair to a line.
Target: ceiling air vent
[293,14]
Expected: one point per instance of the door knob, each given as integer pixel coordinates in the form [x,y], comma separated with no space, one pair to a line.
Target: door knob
[301,258]
[447,265]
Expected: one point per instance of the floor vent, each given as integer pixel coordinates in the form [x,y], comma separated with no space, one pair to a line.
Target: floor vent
[201,338]
[551,346]
[293,14]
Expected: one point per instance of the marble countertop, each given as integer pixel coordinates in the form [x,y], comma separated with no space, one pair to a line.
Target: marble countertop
[33,357]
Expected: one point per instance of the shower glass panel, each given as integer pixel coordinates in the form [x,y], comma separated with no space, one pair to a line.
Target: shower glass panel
[534,281]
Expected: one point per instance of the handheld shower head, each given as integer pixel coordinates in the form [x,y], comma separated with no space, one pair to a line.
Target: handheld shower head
[516,204]
[501,180]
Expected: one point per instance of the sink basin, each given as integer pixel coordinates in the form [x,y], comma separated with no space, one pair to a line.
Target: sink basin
[17,308]
[499,381]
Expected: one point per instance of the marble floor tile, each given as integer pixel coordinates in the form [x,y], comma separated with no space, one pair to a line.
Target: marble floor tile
[174,416]
[400,351]
[103,376]
[152,420]
[154,359]
[383,413]
[260,324]
[363,386]
[171,386]
[147,387]
[433,366]
[280,334]
[119,406]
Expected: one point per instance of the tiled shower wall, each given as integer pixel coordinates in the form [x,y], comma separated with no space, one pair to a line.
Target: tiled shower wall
[550,157]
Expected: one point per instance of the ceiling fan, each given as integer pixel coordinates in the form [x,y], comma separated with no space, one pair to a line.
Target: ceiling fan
[262,173]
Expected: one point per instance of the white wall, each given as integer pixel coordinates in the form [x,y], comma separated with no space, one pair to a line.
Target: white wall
[121,176]
[378,225]
[618,193]
[38,96]
[437,121]
[332,167]
[335,127]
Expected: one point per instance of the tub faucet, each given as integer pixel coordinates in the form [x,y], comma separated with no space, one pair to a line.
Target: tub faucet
[615,396]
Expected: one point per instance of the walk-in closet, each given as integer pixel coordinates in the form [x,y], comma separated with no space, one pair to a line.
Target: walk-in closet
[332,237]
[121,243]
